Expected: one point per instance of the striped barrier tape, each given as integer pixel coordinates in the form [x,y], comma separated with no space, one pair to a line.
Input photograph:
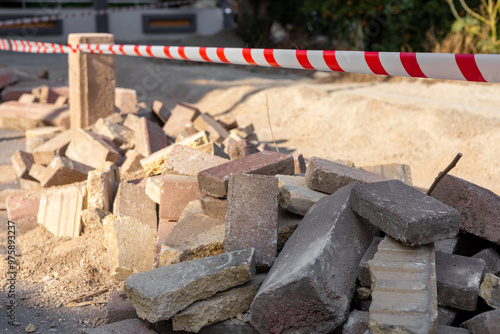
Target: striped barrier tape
[90,12]
[465,67]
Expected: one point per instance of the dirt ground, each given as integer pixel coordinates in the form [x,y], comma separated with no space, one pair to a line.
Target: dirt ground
[366,119]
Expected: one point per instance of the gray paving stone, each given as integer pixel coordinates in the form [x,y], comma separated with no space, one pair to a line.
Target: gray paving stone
[484,323]
[491,259]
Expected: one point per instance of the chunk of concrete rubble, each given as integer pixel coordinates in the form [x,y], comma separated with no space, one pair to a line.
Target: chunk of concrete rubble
[130,244]
[328,176]
[22,162]
[458,280]
[131,168]
[404,297]
[131,201]
[205,122]
[153,188]
[405,213]
[479,207]
[310,287]
[119,307]
[446,315]
[214,207]
[23,116]
[491,260]
[102,185]
[128,326]
[287,224]
[401,172]
[364,277]
[490,290]
[147,137]
[252,216]
[87,148]
[182,116]
[223,305]
[61,208]
[443,329]
[126,100]
[295,195]
[214,181]
[161,111]
[193,237]
[22,208]
[92,219]
[63,171]
[357,323]
[484,323]
[162,292]
[45,153]
[176,193]
[118,133]
[189,161]
[38,136]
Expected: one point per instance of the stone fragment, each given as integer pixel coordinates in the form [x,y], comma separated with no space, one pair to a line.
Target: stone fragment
[357,323]
[399,172]
[92,219]
[89,149]
[130,244]
[242,148]
[214,181]
[446,315]
[22,162]
[161,111]
[182,116]
[405,213]
[491,260]
[223,305]
[102,185]
[193,237]
[22,208]
[119,307]
[443,329]
[128,326]
[490,290]
[162,292]
[479,207]
[484,323]
[205,122]
[63,171]
[446,245]
[153,188]
[60,210]
[214,207]
[91,96]
[189,161]
[364,277]
[328,176]
[458,280]
[126,100]
[310,285]
[119,134]
[27,98]
[147,136]
[131,201]
[252,216]
[176,192]
[295,196]
[287,224]
[45,153]
[131,168]
[23,116]
[38,136]
[300,164]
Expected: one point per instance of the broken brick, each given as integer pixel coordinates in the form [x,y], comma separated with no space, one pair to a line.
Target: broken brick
[126,100]
[214,207]
[131,168]
[153,188]
[161,111]
[119,134]
[399,172]
[131,201]
[24,116]
[165,227]
[119,307]
[92,219]
[176,192]
[189,161]
[287,224]
[484,323]
[38,136]
[205,122]
[89,149]
[36,171]
[147,136]
[491,260]
[242,148]
[182,116]
[363,271]
[63,171]
[45,153]
[102,185]
[22,162]
[294,194]
[22,208]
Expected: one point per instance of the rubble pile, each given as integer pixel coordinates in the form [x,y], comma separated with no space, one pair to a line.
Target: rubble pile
[211,234]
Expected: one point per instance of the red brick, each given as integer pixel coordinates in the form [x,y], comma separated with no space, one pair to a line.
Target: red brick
[176,192]
[23,205]
[182,116]
[148,137]
[22,162]
[24,116]
[90,149]
[119,307]
[131,200]
[214,181]
[63,171]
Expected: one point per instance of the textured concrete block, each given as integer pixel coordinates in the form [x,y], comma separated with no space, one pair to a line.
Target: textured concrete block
[153,188]
[89,149]
[119,307]
[126,100]
[130,244]
[214,181]
[182,116]
[484,323]
[39,136]
[118,133]
[129,326]
[223,305]
[357,323]
[63,171]
[458,279]
[363,271]
[404,298]
[24,116]
[252,216]
[205,122]
[310,287]
[147,137]
[162,292]
[176,192]
[328,176]
[131,201]
[399,172]
[92,219]
[22,162]
[91,96]
[45,153]
[295,195]
[490,290]
[22,208]
[479,208]
[193,237]
[60,210]
[491,260]
[102,185]
[189,161]
[214,207]
[161,111]
[405,213]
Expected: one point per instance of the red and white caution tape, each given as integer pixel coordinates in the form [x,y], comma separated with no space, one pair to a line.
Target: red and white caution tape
[465,67]
[90,12]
